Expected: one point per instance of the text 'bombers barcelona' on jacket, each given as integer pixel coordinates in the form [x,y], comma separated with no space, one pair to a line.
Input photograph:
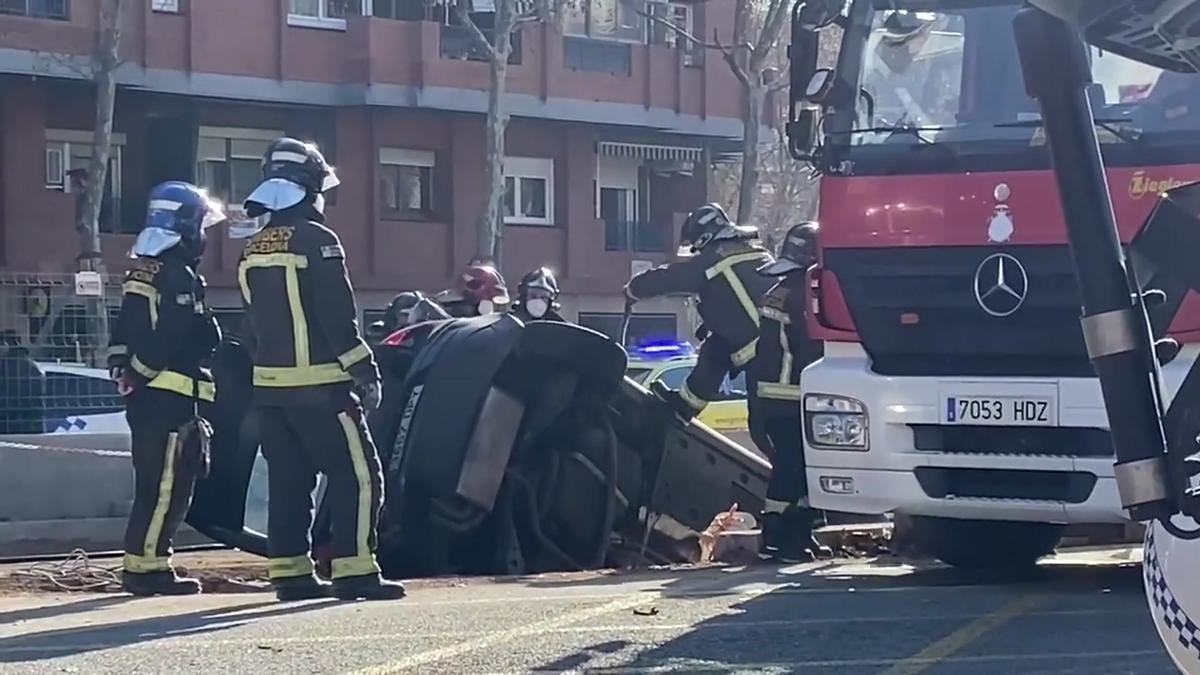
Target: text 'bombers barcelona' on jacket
[303,319]
[784,348]
[724,276]
[164,332]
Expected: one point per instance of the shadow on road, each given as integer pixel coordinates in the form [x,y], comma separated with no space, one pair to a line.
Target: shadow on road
[82,639]
[867,616]
[62,609]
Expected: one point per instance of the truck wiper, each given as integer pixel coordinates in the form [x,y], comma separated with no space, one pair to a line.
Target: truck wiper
[1133,135]
[892,131]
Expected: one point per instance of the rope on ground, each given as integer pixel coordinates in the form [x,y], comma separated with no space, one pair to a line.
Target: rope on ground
[15,445]
[76,573]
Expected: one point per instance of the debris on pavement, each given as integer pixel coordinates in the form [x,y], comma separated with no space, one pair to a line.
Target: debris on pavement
[75,573]
[646,611]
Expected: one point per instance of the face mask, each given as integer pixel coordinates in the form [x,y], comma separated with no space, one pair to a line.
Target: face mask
[537,307]
[486,307]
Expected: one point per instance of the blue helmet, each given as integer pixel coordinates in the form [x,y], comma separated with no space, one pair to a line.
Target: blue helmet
[178,213]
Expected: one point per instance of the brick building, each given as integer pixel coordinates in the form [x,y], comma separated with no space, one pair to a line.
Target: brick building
[615,124]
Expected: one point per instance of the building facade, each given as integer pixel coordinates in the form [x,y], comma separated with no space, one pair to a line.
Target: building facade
[615,121]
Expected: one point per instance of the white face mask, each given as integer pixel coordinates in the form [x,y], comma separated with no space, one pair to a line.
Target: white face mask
[537,307]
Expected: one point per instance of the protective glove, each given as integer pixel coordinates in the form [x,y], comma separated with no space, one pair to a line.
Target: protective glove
[117,375]
[370,394]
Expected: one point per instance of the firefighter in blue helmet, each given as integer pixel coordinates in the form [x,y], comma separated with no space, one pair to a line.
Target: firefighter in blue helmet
[163,334]
[720,259]
[313,377]
[784,350]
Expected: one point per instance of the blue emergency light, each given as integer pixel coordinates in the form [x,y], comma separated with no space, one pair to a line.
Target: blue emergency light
[663,349]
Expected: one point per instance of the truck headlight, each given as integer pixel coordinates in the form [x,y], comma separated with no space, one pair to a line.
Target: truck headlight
[836,422]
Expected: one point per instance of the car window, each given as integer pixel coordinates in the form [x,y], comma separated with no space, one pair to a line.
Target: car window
[674,377]
[65,395]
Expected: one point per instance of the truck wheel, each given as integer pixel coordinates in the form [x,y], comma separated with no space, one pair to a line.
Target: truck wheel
[986,544]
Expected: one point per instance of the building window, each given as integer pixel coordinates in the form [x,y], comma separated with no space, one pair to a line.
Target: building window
[528,191]
[68,154]
[229,162]
[42,9]
[682,18]
[325,13]
[606,20]
[406,183]
[623,203]
[171,6]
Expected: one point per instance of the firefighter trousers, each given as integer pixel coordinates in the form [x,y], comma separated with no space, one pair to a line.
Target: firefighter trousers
[163,483]
[713,363]
[788,486]
[299,442]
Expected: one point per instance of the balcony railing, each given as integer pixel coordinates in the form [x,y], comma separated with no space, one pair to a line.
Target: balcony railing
[598,56]
[635,236]
[458,42]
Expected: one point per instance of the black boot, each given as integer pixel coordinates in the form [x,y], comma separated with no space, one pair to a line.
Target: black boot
[685,412]
[805,518]
[369,587]
[158,583]
[771,530]
[309,587]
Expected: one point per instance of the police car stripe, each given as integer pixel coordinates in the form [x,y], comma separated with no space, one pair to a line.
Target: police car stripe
[1163,604]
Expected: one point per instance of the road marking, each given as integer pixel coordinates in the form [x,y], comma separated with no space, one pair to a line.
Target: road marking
[947,646]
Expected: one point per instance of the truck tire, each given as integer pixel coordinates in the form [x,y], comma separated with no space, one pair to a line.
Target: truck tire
[985,544]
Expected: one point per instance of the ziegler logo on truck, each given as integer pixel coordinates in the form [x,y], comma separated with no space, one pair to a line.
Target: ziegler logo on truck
[1141,185]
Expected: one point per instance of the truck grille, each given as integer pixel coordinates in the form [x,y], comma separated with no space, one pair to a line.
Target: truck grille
[1070,487]
[916,312]
[1055,441]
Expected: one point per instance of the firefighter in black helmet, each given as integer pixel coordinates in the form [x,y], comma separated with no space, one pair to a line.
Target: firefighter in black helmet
[719,268]
[313,376]
[162,336]
[776,420]
[537,297]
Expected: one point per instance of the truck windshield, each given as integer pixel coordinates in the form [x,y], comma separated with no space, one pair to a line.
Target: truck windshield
[946,74]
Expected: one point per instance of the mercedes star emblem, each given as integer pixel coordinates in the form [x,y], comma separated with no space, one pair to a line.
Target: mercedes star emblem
[1001,284]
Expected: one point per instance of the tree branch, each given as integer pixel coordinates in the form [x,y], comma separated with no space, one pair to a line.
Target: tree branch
[480,39]
[768,37]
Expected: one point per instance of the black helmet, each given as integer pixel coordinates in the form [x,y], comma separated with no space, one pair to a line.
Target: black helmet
[542,279]
[292,172]
[798,253]
[399,312]
[709,223]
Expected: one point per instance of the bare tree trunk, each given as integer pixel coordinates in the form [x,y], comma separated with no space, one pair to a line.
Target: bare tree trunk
[491,220]
[106,60]
[756,94]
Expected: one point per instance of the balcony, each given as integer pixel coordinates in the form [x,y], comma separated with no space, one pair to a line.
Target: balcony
[634,236]
[459,42]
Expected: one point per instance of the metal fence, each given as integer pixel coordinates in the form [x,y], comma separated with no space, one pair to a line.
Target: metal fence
[53,344]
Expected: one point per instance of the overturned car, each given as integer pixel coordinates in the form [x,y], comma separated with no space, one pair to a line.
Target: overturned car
[508,448]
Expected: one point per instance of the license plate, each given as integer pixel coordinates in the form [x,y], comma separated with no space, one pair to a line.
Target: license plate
[1000,410]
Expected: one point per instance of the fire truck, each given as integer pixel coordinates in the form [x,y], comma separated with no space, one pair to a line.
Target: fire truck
[955,386]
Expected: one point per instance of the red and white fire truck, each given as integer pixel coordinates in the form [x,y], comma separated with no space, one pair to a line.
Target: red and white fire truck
[955,386]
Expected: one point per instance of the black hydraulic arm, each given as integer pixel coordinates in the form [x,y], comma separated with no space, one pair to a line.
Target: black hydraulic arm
[1115,325]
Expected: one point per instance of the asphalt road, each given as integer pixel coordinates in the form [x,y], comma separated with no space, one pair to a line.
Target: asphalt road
[1084,613]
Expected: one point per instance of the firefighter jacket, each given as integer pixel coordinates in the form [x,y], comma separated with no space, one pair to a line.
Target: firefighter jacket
[723,275]
[164,331]
[784,348]
[303,325]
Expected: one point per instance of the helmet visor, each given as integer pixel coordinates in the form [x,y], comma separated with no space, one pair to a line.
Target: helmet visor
[276,194]
[155,241]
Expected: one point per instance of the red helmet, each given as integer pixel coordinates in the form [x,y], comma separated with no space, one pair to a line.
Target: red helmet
[478,284]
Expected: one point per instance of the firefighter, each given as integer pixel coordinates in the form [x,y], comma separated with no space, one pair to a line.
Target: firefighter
[313,377]
[537,297]
[784,350]
[162,335]
[479,290]
[719,268]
